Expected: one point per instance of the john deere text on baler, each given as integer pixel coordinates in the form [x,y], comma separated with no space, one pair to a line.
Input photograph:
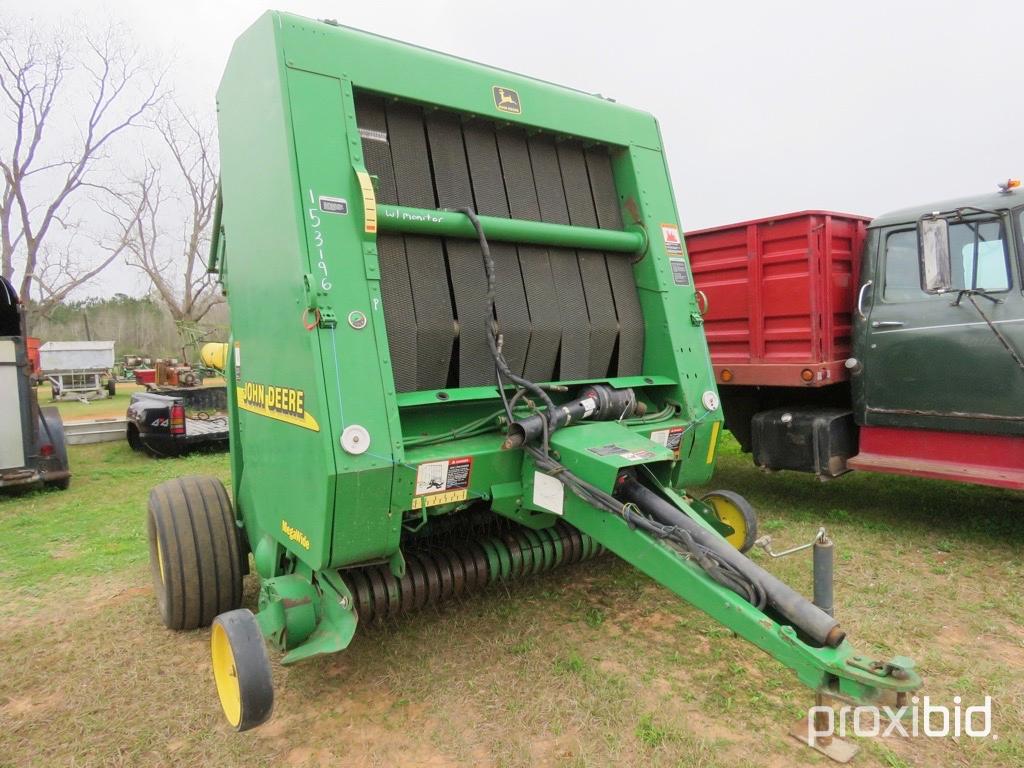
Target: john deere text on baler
[465,348]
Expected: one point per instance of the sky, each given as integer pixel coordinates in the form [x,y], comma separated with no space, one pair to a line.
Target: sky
[764,107]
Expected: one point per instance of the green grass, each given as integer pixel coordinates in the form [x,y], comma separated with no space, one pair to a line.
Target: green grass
[592,665]
[96,526]
[651,735]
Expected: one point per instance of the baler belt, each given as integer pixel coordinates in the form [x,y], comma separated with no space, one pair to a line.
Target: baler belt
[428,274]
[510,303]
[574,354]
[604,327]
[620,270]
[468,281]
[534,261]
[395,286]
[563,315]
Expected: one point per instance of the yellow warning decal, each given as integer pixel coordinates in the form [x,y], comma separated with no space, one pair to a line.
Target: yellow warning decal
[281,403]
[450,497]
[295,535]
[369,201]
[715,426]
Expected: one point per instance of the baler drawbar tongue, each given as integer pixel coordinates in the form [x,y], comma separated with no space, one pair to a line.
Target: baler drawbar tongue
[465,347]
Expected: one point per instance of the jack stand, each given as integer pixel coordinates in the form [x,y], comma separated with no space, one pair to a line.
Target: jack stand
[831,745]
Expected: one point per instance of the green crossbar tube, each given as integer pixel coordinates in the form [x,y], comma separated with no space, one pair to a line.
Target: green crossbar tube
[423,221]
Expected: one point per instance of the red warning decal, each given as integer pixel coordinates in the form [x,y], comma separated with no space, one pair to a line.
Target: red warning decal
[673,241]
[670,438]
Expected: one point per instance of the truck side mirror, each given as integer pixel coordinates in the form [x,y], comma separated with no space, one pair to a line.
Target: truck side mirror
[933,250]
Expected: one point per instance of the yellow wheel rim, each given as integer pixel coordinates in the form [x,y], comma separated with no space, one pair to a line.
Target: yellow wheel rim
[225,675]
[731,515]
[160,559]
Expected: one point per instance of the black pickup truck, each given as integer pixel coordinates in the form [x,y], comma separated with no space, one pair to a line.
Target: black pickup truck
[171,421]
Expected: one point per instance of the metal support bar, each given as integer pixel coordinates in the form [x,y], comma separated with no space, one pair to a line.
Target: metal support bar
[795,607]
[765,543]
[838,671]
[439,223]
[824,569]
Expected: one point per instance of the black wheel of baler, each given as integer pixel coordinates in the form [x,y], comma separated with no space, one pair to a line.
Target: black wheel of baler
[241,669]
[736,512]
[111,386]
[193,551]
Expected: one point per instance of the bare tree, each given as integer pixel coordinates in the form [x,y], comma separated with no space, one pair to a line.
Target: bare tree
[65,102]
[166,228]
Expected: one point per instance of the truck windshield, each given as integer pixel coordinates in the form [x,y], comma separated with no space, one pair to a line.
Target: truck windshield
[978,250]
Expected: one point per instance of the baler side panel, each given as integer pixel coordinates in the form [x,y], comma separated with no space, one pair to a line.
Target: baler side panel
[357,364]
[261,218]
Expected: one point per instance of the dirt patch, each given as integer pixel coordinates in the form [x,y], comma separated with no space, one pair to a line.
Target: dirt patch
[29,706]
[955,637]
[547,750]
[64,551]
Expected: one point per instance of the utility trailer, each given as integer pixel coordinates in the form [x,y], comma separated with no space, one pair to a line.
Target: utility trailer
[465,348]
[33,451]
[78,370]
[845,343]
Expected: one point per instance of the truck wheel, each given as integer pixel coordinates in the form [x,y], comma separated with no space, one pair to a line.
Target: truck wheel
[133,438]
[736,512]
[241,669]
[193,551]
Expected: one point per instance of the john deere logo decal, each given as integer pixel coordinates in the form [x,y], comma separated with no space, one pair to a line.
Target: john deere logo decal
[506,100]
[281,403]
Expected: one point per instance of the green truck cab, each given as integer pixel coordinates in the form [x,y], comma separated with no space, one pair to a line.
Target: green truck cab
[944,356]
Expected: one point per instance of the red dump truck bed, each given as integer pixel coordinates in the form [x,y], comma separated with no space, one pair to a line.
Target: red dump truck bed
[780,295]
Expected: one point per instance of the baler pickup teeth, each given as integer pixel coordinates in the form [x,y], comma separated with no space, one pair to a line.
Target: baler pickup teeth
[439,573]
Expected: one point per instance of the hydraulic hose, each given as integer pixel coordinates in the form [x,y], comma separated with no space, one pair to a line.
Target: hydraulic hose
[720,561]
[800,611]
[494,340]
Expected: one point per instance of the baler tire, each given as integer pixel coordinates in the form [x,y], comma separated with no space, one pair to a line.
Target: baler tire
[193,551]
[736,512]
[241,669]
